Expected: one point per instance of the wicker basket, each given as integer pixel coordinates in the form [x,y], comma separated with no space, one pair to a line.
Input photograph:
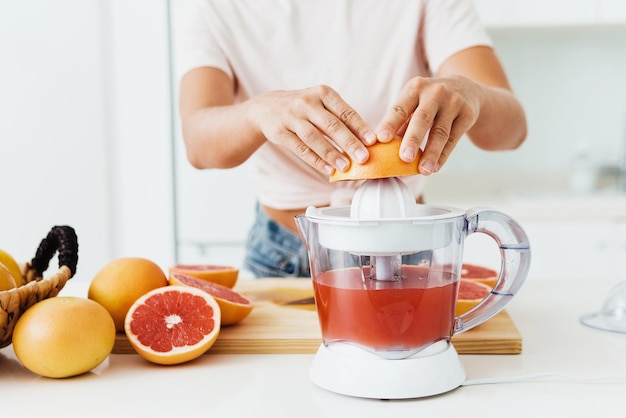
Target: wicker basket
[35,287]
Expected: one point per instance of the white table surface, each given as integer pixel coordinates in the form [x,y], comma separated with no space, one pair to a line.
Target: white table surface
[546,313]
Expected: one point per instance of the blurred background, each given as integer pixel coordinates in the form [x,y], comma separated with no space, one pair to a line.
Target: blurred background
[89,137]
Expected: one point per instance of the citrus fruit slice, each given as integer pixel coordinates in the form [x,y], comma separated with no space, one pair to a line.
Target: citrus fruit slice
[470,295]
[480,274]
[173,324]
[384,161]
[234,306]
[7,281]
[121,282]
[63,336]
[224,275]
[10,263]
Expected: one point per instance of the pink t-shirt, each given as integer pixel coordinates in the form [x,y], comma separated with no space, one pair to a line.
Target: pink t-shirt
[364,49]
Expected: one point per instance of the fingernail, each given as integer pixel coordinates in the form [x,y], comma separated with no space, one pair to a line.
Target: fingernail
[361,155]
[370,138]
[328,169]
[426,167]
[341,164]
[384,135]
[408,154]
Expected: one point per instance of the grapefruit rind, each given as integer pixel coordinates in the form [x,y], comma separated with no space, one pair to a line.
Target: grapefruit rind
[384,161]
[178,354]
[234,306]
[466,303]
[223,275]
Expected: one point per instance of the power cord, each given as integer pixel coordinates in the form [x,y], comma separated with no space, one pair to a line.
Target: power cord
[524,378]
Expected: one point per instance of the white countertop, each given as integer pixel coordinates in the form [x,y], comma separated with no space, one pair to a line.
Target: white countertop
[546,312]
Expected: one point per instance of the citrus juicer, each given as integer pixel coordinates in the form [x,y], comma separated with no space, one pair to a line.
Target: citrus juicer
[385,272]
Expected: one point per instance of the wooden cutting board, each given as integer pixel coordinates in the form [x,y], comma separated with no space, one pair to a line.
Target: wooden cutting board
[280,325]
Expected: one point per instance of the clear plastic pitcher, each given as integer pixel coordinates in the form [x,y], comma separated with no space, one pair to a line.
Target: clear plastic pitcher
[389,285]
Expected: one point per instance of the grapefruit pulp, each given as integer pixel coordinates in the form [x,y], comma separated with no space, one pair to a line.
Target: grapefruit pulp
[233,305]
[480,274]
[224,275]
[471,293]
[173,324]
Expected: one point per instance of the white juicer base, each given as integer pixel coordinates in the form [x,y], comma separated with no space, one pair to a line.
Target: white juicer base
[369,376]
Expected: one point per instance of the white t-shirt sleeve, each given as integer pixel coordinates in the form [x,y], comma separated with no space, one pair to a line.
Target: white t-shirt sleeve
[449,26]
[196,42]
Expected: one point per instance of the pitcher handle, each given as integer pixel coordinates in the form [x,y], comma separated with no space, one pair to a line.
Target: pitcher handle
[515,253]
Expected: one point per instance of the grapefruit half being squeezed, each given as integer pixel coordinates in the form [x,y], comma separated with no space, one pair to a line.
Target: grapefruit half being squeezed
[233,305]
[224,275]
[471,293]
[173,324]
[384,161]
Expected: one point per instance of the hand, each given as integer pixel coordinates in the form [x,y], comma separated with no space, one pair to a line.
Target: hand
[309,121]
[443,108]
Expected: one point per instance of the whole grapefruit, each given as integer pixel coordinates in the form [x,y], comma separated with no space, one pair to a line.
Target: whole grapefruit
[63,336]
[7,282]
[10,263]
[121,282]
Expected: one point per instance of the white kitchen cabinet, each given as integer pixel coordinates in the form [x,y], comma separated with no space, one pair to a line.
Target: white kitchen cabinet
[515,13]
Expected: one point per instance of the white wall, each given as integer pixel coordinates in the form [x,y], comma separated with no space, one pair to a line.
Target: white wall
[571,82]
[85,131]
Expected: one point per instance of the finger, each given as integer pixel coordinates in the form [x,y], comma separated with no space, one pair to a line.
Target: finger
[459,127]
[312,141]
[349,117]
[334,128]
[398,114]
[292,142]
[421,122]
[438,137]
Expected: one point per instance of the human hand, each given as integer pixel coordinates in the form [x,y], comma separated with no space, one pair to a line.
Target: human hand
[309,121]
[445,108]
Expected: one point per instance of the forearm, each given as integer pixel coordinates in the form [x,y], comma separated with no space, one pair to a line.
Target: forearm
[220,136]
[501,124]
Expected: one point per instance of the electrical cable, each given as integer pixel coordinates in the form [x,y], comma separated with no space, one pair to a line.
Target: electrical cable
[523,378]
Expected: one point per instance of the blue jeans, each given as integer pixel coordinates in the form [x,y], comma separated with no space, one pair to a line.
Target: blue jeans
[274,251]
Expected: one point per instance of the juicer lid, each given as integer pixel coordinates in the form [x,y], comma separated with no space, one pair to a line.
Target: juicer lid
[384,219]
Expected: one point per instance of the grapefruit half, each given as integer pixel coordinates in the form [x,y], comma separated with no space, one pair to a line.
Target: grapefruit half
[233,305]
[480,274]
[173,324]
[471,293]
[224,275]
[384,161]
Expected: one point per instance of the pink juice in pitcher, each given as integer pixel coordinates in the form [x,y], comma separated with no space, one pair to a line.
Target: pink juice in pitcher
[406,315]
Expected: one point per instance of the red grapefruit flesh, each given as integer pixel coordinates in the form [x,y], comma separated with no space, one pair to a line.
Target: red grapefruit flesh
[471,293]
[480,274]
[224,275]
[233,305]
[173,324]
